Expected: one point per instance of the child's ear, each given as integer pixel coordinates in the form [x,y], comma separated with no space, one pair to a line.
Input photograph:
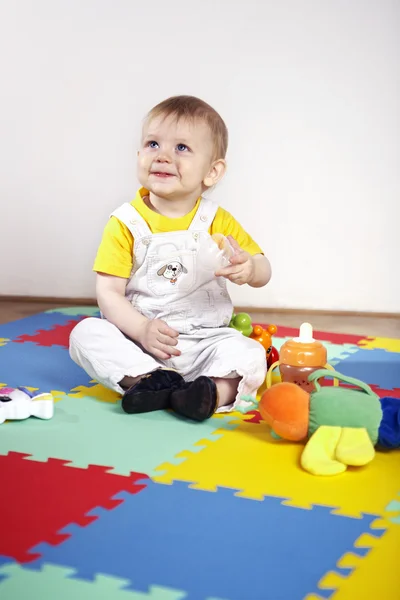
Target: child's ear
[216,173]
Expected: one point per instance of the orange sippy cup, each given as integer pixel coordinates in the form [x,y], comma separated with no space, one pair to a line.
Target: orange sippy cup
[299,357]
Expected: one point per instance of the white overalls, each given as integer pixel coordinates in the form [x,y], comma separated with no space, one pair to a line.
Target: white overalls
[173,279]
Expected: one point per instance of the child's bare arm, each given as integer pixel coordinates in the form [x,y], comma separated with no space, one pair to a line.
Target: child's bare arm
[262,271]
[154,335]
[116,308]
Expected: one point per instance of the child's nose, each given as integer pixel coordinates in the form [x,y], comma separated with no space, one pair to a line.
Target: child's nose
[164,157]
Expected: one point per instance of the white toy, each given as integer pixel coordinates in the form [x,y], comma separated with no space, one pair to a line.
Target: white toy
[214,253]
[19,403]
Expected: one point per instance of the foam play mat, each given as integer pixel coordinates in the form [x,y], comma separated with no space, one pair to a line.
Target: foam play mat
[97,504]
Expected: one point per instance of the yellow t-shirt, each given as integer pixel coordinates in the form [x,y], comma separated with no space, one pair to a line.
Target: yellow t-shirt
[115,253]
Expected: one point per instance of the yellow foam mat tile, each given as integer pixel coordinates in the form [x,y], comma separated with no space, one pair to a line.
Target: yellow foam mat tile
[390,344]
[97,391]
[249,459]
[375,576]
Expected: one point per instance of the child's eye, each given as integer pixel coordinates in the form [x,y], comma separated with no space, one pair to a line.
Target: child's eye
[182,148]
[152,144]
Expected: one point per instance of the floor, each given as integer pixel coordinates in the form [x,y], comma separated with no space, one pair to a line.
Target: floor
[146,469]
[368,325]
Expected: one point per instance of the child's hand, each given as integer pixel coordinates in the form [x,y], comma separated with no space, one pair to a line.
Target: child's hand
[241,269]
[158,339]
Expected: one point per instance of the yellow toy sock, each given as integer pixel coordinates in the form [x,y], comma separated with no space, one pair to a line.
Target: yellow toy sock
[355,447]
[318,456]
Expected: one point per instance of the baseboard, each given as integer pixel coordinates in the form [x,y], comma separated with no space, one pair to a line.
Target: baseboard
[50,300]
[253,309]
[305,311]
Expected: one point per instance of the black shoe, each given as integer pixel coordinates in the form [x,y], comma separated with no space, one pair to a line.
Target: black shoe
[196,399]
[152,392]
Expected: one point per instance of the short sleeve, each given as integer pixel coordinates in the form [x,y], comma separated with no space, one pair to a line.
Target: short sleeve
[115,252]
[225,223]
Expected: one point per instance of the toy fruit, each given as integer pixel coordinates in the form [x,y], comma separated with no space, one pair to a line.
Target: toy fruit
[299,357]
[272,357]
[264,336]
[343,424]
[242,322]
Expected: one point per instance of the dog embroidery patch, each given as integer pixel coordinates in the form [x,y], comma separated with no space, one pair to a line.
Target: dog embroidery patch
[172,271]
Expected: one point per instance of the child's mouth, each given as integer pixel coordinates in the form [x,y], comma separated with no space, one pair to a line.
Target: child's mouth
[162,175]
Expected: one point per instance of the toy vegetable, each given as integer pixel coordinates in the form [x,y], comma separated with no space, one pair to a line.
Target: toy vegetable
[343,424]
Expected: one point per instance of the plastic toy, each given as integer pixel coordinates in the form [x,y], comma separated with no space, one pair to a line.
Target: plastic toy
[214,252]
[343,424]
[224,247]
[264,336]
[20,403]
[273,357]
[242,322]
[299,357]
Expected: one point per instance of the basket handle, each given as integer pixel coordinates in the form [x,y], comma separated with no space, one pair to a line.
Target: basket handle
[327,373]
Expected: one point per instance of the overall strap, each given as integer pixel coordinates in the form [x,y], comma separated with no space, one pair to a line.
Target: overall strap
[204,216]
[133,220]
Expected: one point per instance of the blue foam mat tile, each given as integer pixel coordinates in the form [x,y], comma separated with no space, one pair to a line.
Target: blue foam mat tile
[4,560]
[30,325]
[373,366]
[45,368]
[212,544]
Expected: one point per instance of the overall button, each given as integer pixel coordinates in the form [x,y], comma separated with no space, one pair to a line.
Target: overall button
[203,218]
[146,242]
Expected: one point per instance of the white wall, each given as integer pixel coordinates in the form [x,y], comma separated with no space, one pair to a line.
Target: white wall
[309,89]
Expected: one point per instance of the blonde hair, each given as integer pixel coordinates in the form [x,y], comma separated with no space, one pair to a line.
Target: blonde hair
[190,107]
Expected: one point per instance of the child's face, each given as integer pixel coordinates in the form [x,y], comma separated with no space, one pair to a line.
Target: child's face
[176,158]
